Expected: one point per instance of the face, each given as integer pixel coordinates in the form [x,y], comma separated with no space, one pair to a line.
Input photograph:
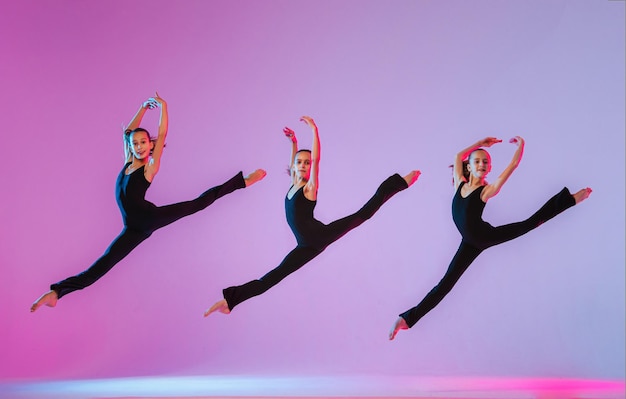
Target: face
[140,145]
[302,165]
[479,164]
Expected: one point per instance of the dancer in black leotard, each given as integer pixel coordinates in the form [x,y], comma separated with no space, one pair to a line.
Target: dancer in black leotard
[312,235]
[472,193]
[141,218]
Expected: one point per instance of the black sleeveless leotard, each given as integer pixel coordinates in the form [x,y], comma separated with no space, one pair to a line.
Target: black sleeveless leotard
[312,237]
[478,235]
[141,218]
[299,213]
[130,192]
[467,213]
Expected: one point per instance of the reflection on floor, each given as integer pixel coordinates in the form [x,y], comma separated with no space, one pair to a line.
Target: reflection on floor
[370,387]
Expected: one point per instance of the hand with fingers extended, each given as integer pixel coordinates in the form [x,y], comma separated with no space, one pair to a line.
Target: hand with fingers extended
[290,134]
[309,121]
[156,101]
[489,141]
[517,140]
[150,103]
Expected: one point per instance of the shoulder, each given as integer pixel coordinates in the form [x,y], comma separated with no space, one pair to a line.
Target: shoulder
[488,191]
[150,170]
[310,191]
[458,183]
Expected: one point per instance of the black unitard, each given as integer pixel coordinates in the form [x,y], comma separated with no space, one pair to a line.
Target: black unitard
[141,219]
[479,235]
[312,236]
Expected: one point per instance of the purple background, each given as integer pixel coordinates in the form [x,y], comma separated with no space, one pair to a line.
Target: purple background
[393,86]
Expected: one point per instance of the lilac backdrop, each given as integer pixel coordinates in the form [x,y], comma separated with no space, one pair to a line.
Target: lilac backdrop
[393,86]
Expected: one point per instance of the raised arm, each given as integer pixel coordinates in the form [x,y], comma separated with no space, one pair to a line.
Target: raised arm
[491,190]
[134,124]
[459,172]
[155,162]
[291,135]
[313,183]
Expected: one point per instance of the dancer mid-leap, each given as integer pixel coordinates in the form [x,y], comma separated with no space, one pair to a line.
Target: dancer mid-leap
[141,218]
[312,235]
[472,193]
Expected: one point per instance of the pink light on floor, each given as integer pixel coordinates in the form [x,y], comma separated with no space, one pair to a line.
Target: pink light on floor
[319,387]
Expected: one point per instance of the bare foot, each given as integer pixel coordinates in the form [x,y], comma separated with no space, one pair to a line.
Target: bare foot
[582,195]
[50,299]
[412,177]
[400,324]
[254,177]
[219,306]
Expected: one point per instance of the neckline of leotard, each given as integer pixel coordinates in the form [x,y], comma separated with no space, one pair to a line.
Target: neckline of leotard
[470,194]
[126,167]
[294,194]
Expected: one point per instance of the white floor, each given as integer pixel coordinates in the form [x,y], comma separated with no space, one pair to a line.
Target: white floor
[316,387]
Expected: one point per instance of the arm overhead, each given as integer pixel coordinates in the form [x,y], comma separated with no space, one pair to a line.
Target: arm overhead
[291,135]
[155,162]
[313,183]
[493,189]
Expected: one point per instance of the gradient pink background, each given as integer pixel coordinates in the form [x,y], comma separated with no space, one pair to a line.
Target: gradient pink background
[393,86]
